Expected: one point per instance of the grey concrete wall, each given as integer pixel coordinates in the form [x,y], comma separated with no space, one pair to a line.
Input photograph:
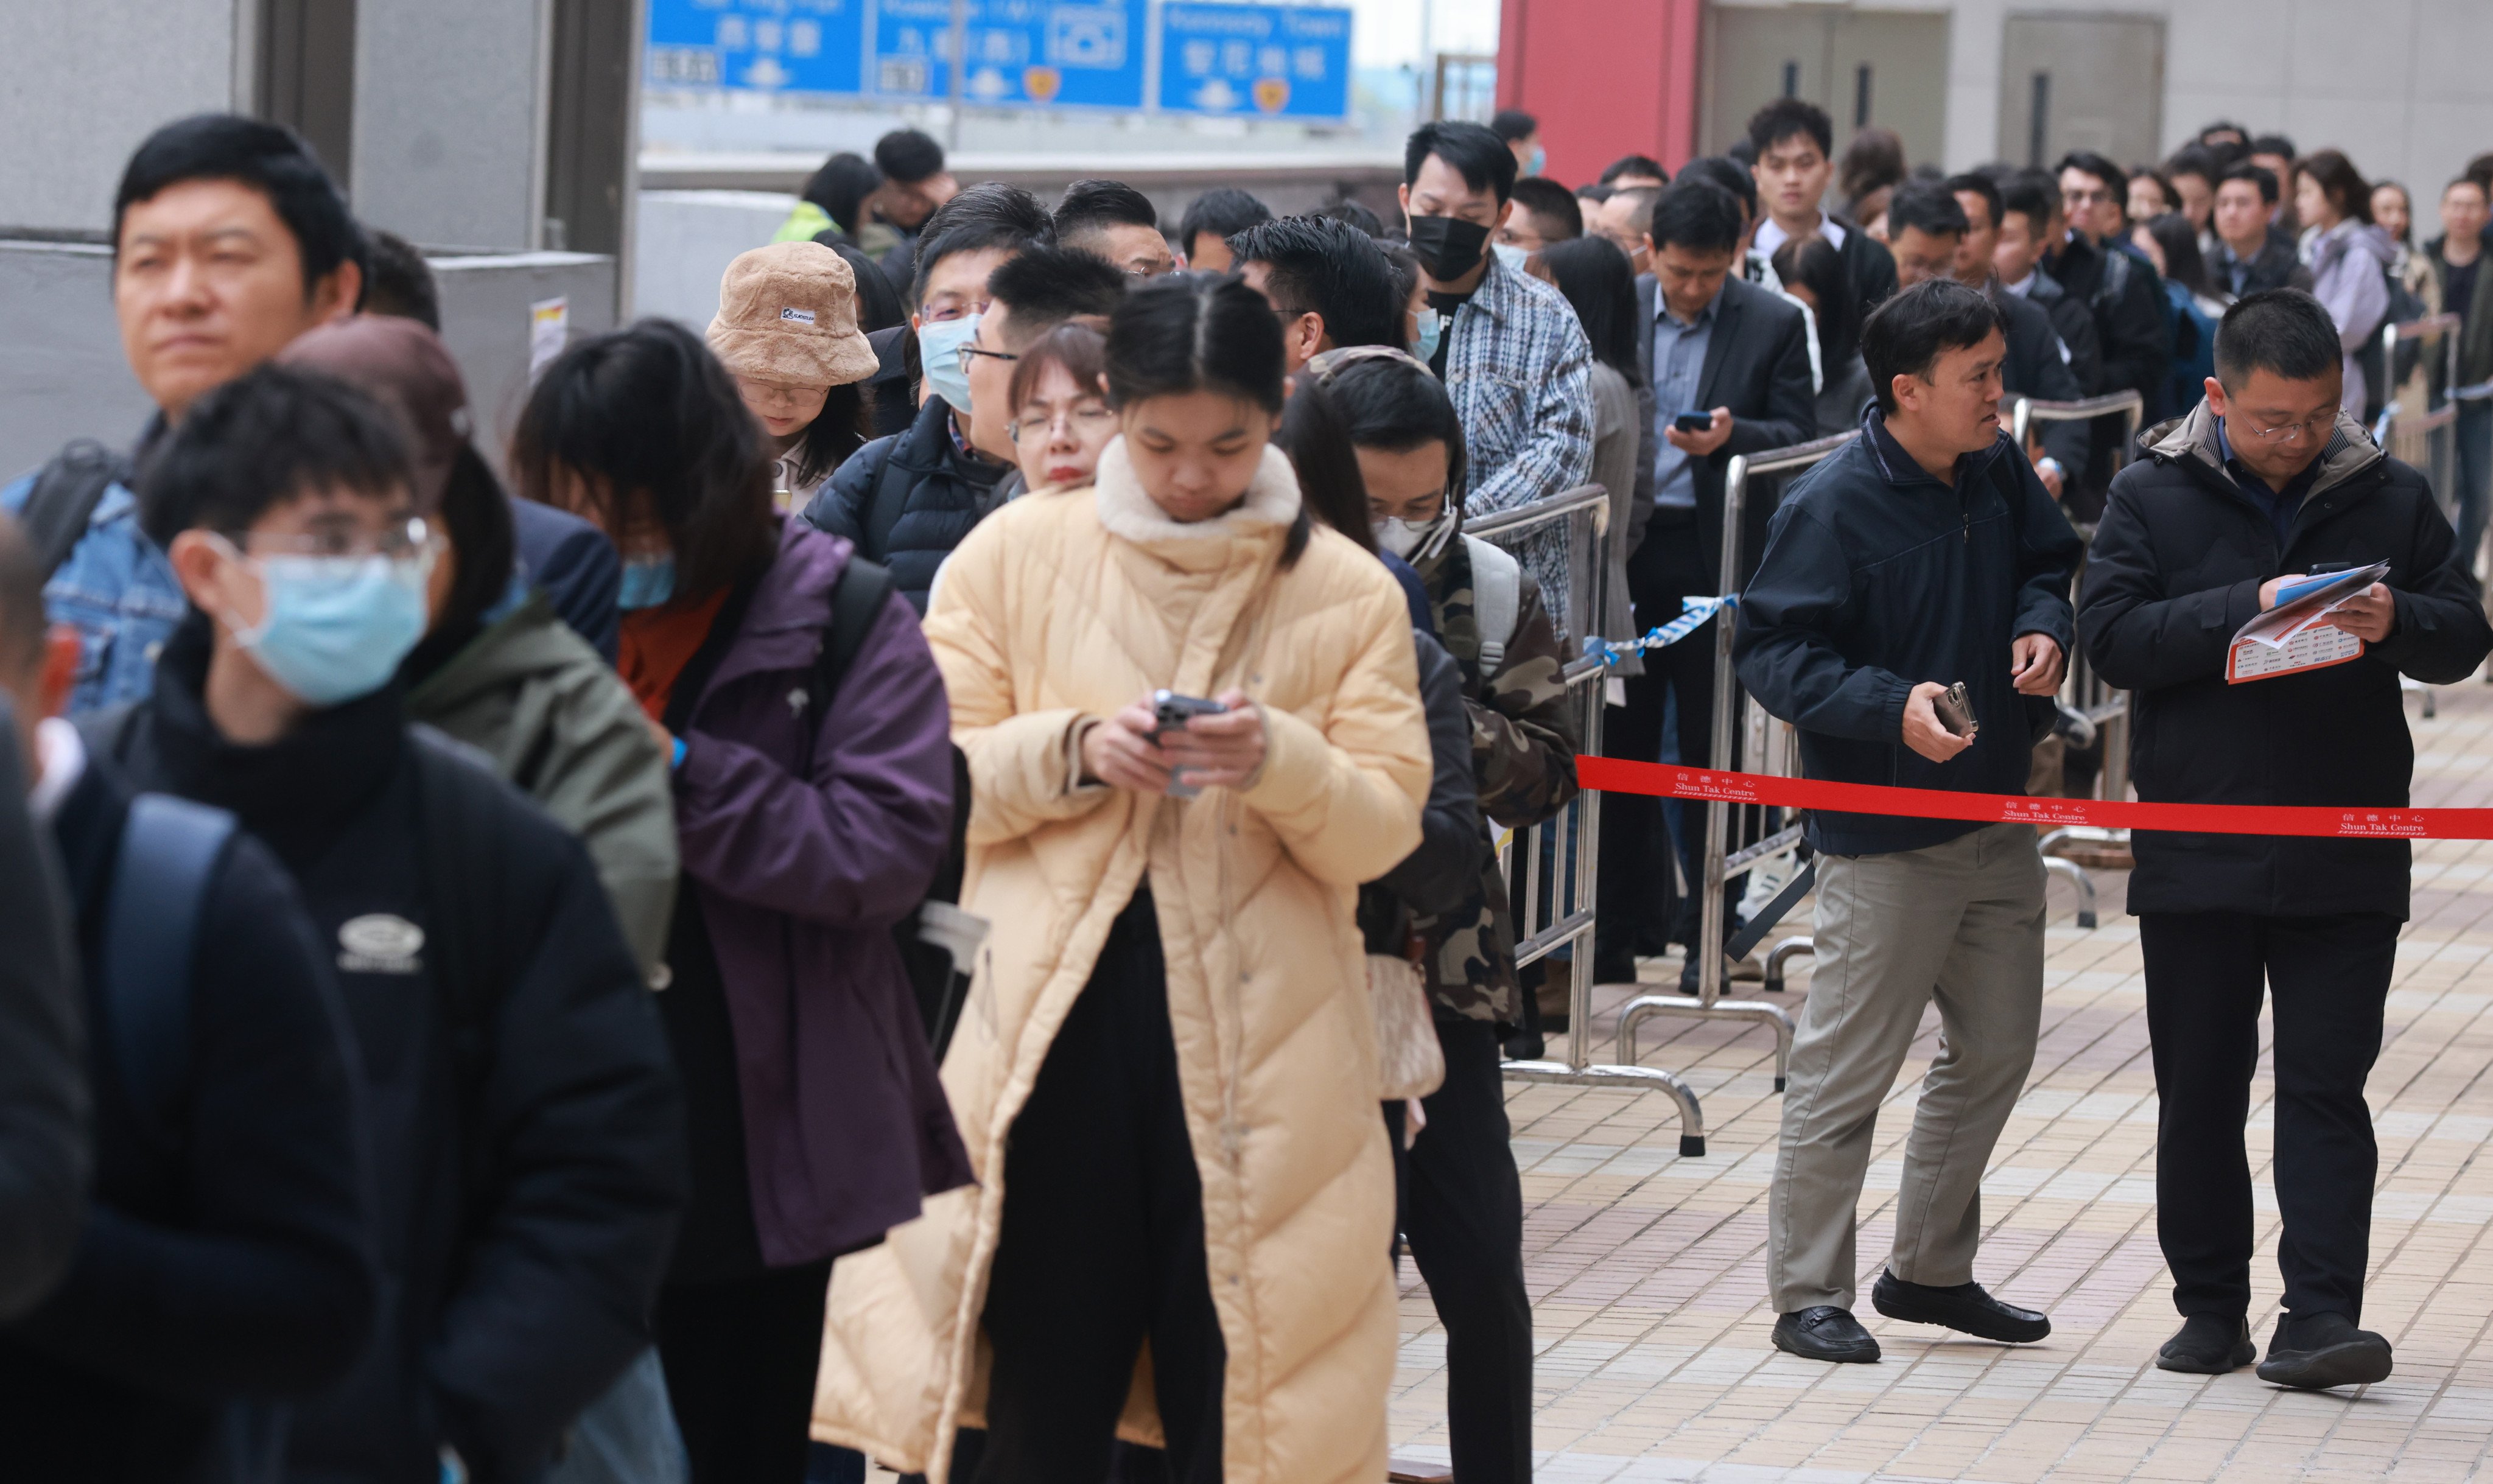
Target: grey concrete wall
[82,82]
[684,240]
[448,121]
[62,374]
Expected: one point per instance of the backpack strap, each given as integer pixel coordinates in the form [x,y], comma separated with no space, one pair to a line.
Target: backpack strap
[64,499]
[889,501]
[169,850]
[1498,600]
[856,601]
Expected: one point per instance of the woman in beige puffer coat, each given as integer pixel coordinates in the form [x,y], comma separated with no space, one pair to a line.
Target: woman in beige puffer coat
[1165,1072]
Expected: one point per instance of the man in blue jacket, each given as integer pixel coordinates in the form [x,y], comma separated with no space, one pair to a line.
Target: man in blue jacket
[1925,553]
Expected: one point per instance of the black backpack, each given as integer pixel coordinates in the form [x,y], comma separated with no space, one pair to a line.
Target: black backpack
[66,490]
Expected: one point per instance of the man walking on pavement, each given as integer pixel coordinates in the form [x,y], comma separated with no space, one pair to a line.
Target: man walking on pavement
[1924,554]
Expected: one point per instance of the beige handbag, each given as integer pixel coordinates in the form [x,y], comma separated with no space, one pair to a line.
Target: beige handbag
[1409,1062]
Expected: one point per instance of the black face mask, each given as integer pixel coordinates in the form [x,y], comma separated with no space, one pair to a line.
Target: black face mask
[1448,247]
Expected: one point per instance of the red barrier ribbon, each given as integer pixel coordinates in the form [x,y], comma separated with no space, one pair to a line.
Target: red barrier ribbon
[1612,774]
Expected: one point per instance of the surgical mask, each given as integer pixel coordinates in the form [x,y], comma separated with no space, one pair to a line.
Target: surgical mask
[1540,159]
[938,351]
[1448,247]
[1510,254]
[1406,538]
[337,627]
[647,582]
[1432,329]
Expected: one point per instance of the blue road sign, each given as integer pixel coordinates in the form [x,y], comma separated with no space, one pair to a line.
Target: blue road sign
[763,46]
[1020,53]
[1275,61]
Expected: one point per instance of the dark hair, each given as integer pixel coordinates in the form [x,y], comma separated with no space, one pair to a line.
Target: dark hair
[2163,187]
[1742,149]
[1813,263]
[1329,268]
[1200,332]
[2086,162]
[1319,442]
[1970,183]
[1598,279]
[1787,117]
[1513,124]
[23,620]
[1596,193]
[2227,155]
[840,188]
[1079,344]
[1353,214]
[266,437]
[2025,195]
[2456,181]
[1224,212]
[1726,172]
[2275,144]
[878,303]
[1927,206]
[1642,200]
[2193,159]
[2223,126]
[986,216]
[1908,334]
[2258,175]
[1874,161]
[648,410]
[1406,277]
[2340,182]
[908,155]
[2479,169]
[1394,403]
[2284,332]
[1044,287]
[1697,215]
[845,424]
[1553,204]
[397,281]
[1095,205]
[1634,165]
[1480,157]
[2179,241]
[267,158]
[476,516]
[2406,237]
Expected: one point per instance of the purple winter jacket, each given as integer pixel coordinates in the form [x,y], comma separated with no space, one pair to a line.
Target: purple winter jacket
[799,881]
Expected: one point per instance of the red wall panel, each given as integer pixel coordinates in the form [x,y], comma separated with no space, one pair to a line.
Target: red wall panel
[1605,78]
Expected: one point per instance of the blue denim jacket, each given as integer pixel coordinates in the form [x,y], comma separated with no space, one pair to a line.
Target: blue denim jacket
[118,590]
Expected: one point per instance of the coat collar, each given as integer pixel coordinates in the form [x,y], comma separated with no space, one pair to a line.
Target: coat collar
[1899,468]
[2192,440]
[1271,507]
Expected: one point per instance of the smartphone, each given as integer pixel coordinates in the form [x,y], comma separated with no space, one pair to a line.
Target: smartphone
[1693,421]
[1171,711]
[1955,711]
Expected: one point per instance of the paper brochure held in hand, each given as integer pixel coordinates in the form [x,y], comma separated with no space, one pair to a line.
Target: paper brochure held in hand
[2295,635]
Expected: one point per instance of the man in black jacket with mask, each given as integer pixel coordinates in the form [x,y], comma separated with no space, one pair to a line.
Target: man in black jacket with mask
[2263,480]
[525,1125]
[2132,322]
[1921,555]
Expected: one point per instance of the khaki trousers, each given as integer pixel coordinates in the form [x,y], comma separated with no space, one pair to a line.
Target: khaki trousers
[1960,923]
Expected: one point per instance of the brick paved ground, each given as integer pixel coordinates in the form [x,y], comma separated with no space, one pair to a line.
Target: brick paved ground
[1646,1270]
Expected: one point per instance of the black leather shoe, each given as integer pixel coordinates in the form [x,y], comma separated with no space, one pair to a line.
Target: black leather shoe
[1825,1332]
[1964,1308]
[2314,1352]
[1620,970]
[2208,1346]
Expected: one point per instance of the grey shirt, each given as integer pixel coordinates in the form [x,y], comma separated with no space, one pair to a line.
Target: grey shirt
[1678,363]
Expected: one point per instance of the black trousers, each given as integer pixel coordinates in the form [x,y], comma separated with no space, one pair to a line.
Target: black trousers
[1462,1215]
[1102,1242]
[2331,978]
[1638,903]
[741,1356]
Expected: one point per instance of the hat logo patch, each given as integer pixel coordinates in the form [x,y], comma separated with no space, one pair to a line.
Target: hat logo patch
[800,317]
[379,943]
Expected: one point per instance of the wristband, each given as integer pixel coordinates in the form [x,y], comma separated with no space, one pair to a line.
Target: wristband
[678,760]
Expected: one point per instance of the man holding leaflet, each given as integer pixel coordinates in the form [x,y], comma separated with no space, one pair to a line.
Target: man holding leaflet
[2264,482]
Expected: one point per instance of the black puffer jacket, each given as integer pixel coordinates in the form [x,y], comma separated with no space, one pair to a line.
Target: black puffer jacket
[2176,571]
[907,501]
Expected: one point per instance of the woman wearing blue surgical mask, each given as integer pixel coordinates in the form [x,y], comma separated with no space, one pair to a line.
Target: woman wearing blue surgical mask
[805,724]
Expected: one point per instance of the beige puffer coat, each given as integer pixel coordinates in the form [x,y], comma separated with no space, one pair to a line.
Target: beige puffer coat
[1058,609]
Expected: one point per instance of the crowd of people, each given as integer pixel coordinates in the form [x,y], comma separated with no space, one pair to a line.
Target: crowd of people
[913,874]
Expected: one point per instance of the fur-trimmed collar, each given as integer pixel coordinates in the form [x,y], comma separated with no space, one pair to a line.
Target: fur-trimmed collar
[1127,510]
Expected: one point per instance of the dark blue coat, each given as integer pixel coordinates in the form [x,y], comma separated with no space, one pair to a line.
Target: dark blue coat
[1876,577]
[911,521]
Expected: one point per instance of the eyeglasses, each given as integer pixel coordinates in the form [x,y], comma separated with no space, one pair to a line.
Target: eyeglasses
[1084,418]
[398,540]
[965,353]
[2293,433]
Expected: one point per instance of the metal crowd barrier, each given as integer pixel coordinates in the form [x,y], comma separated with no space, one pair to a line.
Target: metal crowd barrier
[2420,411]
[1552,869]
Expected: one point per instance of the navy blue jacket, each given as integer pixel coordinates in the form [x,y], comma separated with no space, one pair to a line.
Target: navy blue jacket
[575,565]
[1876,577]
[913,521]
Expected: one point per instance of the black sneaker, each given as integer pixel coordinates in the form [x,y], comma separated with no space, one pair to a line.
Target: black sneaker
[1965,1308]
[2208,1346]
[1825,1332]
[2313,1353]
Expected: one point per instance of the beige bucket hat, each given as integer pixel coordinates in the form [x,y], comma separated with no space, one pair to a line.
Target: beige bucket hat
[788,314]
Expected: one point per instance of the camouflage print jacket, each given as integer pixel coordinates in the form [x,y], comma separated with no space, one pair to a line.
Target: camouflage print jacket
[1523,751]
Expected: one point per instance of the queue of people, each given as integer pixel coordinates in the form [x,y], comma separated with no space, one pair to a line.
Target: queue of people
[882,862]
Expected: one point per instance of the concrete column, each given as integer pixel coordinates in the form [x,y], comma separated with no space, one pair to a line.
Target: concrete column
[450,120]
